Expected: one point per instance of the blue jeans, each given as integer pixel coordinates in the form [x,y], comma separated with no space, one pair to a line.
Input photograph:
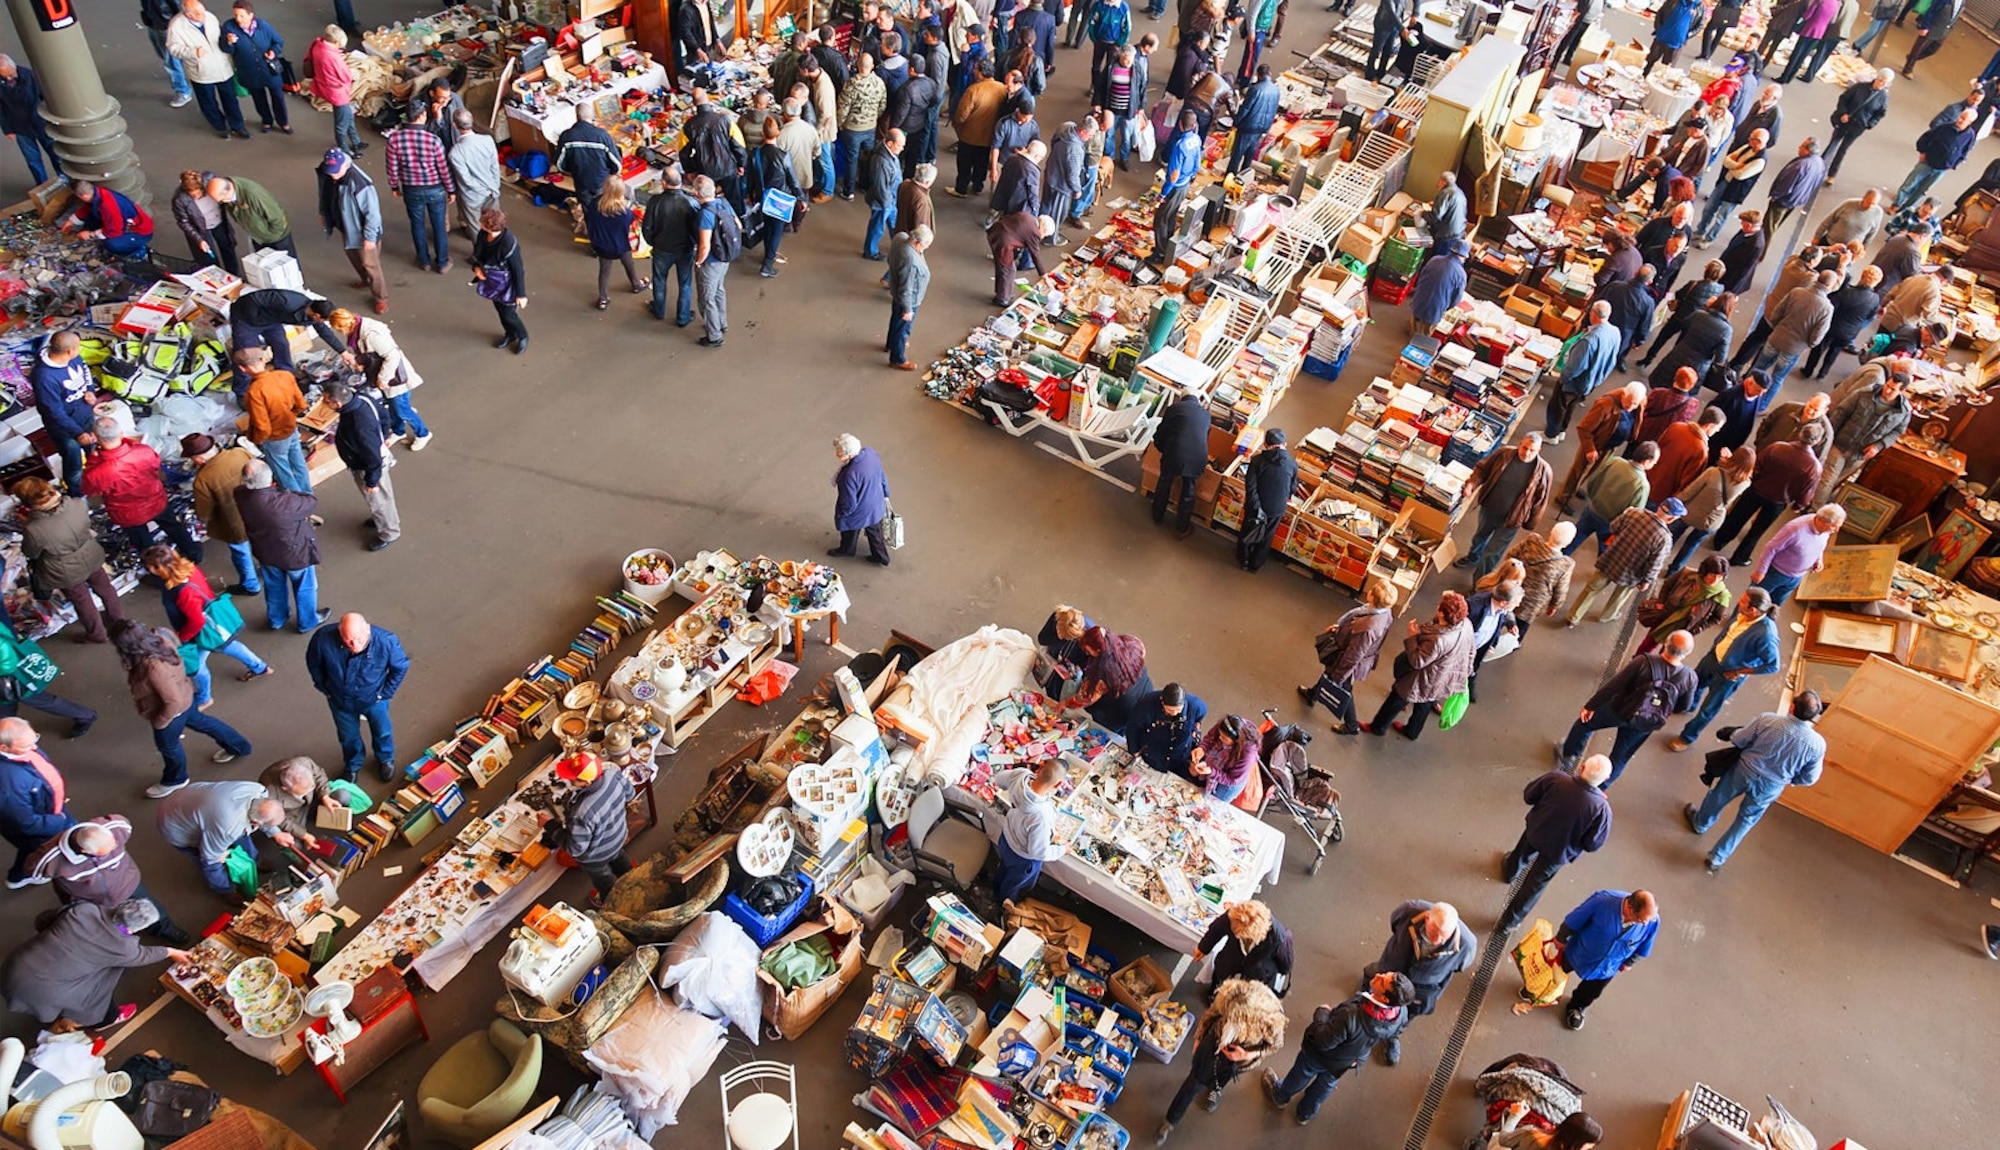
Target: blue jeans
[347,725]
[1489,543]
[899,335]
[681,265]
[246,568]
[1780,586]
[1875,28]
[168,740]
[1124,135]
[284,589]
[288,463]
[1088,196]
[426,207]
[344,134]
[1712,217]
[1310,1081]
[1919,181]
[131,246]
[1589,524]
[1624,744]
[72,460]
[1690,541]
[823,170]
[1715,692]
[204,679]
[880,220]
[403,417]
[176,75]
[213,872]
[1757,796]
[1778,363]
[32,145]
[1226,793]
[1015,875]
[852,144]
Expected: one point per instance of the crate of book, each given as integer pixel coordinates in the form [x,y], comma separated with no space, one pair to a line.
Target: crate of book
[1400,257]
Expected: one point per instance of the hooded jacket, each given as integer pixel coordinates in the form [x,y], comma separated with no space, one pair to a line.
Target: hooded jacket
[60,545]
[127,478]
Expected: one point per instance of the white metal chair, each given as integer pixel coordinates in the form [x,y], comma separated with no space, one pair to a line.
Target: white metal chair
[761,1118]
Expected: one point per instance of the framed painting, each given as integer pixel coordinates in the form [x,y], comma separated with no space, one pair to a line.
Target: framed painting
[1868,514]
[1944,653]
[1910,536]
[1958,539]
[1852,574]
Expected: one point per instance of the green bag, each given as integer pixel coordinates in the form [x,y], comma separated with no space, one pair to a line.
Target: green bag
[242,871]
[357,800]
[220,625]
[1452,710]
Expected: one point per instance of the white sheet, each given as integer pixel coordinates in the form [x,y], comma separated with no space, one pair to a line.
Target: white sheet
[654,1057]
[952,690]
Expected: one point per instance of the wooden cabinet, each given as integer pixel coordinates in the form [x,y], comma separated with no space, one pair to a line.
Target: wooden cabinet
[1911,476]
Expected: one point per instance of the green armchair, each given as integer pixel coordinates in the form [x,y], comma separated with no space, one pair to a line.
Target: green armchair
[480,1085]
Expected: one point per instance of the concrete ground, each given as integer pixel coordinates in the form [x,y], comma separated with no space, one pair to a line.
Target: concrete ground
[1841,982]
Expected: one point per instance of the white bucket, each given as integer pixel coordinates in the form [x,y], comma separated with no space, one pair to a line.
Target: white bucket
[649,592]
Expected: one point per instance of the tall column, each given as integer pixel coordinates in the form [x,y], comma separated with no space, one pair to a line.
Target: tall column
[83,119]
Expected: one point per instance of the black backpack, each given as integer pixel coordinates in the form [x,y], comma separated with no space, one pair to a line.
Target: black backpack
[1654,703]
[725,241]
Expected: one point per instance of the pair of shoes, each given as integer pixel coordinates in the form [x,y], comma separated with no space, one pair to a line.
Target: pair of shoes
[1161,1135]
[904,366]
[249,675]
[162,790]
[1404,730]
[1392,1051]
[420,442]
[1338,729]
[603,304]
[378,543]
[1462,561]
[1211,1100]
[822,197]
[704,341]
[768,273]
[224,755]
[879,560]
[877,257]
[319,617]
[123,1016]
[222,135]
[504,341]
[24,881]
[1305,693]
[1711,866]
[1367,729]
[837,553]
[1555,439]
[642,287]
[520,345]
[1573,1018]
[1566,762]
[1678,744]
[181,101]
[264,128]
[387,771]
[1690,813]
[239,133]
[381,307]
[359,148]
[1270,1081]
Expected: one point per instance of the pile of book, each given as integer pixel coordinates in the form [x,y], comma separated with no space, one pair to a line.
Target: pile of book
[525,706]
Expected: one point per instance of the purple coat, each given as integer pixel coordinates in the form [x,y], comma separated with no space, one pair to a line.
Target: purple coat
[862,492]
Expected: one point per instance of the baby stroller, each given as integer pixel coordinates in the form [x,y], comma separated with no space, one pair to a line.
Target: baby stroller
[1304,791]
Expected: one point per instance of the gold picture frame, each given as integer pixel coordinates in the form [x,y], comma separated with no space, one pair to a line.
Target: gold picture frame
[1910,536]
[1869,514]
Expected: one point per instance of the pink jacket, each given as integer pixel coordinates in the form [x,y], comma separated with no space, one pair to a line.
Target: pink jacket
[331,81]
[1818,18]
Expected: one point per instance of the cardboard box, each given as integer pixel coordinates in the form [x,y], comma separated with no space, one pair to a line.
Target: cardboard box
[271,268]
[1524,304]
[1148,971]
[1363,243]
[1561,320]
[792,1012]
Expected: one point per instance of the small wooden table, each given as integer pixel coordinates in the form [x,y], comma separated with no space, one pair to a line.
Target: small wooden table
[804,619]
[389,1022]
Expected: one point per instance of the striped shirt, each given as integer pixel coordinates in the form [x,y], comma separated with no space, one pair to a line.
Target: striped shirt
[416,159]
[596,827]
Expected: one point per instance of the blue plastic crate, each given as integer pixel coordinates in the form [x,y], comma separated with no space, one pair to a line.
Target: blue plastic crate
[765,929]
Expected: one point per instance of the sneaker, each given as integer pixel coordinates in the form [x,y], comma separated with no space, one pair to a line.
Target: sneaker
[1270,1081]
[79,730]
[1211,1100]
[223,756]
[1573,1018]
[29,880]
[162,790]
[181,101]
[124,1015]
[1161,1135]
[1392,1051]
[1566,762]
[306,628]
[1690,813]
[379,544]
[421,442]
[1711,866]
[1990,937]
[387,771]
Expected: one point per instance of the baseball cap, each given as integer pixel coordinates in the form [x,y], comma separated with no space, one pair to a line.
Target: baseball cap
[334,158]
[581,767]
[1674,507]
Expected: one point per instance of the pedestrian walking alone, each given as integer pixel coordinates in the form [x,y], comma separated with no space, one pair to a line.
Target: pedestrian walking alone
[1776,751]
[1568,817]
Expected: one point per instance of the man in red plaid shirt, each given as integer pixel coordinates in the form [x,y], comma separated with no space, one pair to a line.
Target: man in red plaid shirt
[420,175]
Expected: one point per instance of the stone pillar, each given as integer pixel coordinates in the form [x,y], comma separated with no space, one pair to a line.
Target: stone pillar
[83,119]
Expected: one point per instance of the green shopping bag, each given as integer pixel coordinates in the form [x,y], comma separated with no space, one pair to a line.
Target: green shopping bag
[1452,710]
[242,871]
[357,800]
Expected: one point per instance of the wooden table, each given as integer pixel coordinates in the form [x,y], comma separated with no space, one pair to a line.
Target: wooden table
[804,619]
[389,1022]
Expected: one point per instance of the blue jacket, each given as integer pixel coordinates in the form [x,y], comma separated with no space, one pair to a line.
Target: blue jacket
[1601,943]
[28,817]
[1945,147]
[1779,751]
[21,102]
[1165,741]
[62,395]
[1755,650]
[1259,108]
[1676,22]
[1110,22]
[246,50]
[1591,359]
[1566,817]
[1183,157]
[1439,285]
[355,681]
[862,489]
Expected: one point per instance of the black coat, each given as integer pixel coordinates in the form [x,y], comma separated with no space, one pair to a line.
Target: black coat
[1740,258]
[278,526]
[1632,304]
[1339,1037]
[1268,483]
[882,174]
[1183,437]
[1863,104]
[1854,308]
[358,437]
[1702,344]
[669,226]
[1266,962]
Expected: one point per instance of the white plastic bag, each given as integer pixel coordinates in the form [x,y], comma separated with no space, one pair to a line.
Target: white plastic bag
[711,966]
[1148,143]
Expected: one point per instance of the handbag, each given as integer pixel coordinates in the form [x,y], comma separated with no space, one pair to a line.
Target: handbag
[222,623]
[497,285]
[172,1109]
[892,526]
[778,205]
[1452,711]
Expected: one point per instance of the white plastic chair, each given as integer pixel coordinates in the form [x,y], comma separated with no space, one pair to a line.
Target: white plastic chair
[765,1119]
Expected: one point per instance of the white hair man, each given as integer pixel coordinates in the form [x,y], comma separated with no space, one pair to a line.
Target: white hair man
[718,241]
[88,863]
[1651,688]
[300,785]
[861,499]
[475,171]
[195,39]
[33,797]
[204,821]
[1548,567]
[279,526]
[1794,551]
[1568,816]
[909,281]
[1429,945]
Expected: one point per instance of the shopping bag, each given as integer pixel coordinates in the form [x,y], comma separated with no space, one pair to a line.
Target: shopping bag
[1162,119]
[357,800]
[778,205]
[221,624]
[242,871]
[1452,710]
[892,527]
[1539,957]
[1148,143]
[1505,644]
[768,683]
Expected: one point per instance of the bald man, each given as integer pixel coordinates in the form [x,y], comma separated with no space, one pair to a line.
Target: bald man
[359,668]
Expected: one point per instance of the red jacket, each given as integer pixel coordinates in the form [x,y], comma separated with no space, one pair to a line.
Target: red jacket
[127,479]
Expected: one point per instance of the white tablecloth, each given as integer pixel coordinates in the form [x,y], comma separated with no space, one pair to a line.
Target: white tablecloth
[562,114]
